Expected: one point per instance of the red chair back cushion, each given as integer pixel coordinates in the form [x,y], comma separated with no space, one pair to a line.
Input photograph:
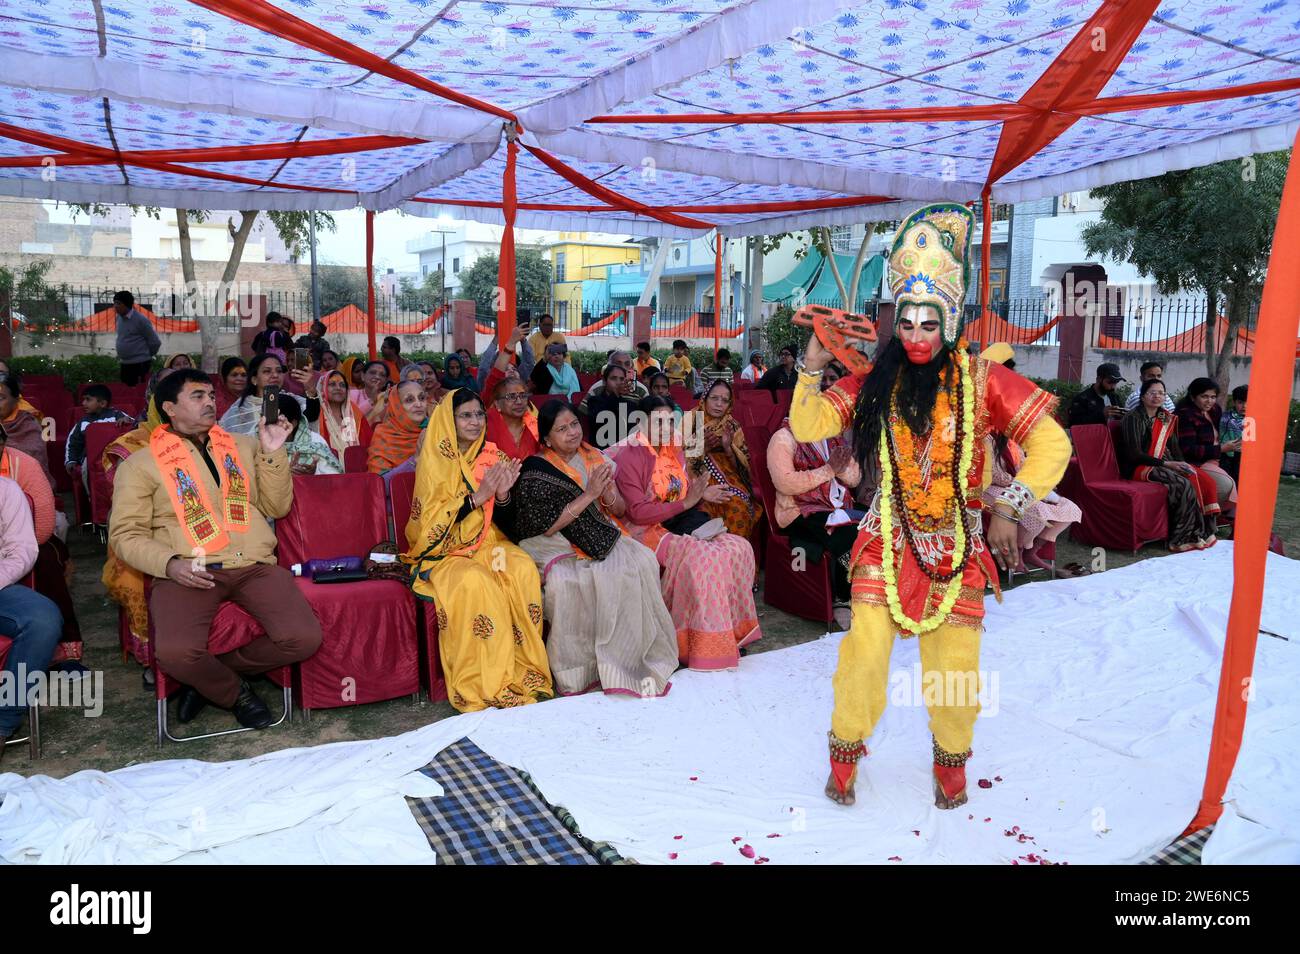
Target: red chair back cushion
[401,490]
[756,440]
[354,460]
[98,436]
[1096,452]
[332,515]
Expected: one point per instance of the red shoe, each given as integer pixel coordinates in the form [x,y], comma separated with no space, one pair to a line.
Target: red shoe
[949,778]
[844,761]
[949,785]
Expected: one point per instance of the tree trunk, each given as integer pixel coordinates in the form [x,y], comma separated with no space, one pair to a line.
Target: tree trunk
[829,252]
[1211,322]
[1238,296]
[211,323]
[191,294]
[851,303]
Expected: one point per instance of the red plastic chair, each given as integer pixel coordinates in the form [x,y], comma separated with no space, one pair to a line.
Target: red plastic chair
[683,397]
[401,489]
[753,408]
[33,736]
[354,461]
[807,593]
[1117,513]
[540,401]
[370,649]
[98,436]
[232,628]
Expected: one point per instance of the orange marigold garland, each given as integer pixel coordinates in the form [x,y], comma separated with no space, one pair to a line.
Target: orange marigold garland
[927,504]
[907,467]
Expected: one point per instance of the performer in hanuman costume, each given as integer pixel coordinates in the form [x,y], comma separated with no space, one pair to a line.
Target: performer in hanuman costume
[920,417]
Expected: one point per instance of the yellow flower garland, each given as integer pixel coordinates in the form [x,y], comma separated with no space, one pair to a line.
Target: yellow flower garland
[928,623]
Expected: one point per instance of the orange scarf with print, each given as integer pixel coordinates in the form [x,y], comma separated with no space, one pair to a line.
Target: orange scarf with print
[669,478]
[207,528]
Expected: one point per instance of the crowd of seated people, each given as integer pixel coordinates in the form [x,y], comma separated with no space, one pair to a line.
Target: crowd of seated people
[626,524]
[1192,447]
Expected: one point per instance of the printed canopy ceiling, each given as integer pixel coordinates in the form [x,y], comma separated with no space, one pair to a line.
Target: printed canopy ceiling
[646,116]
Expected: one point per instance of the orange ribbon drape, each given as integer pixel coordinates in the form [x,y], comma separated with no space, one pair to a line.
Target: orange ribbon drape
[506,260]
[1261,463]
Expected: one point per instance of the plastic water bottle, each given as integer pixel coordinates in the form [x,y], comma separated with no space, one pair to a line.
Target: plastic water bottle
[343,564]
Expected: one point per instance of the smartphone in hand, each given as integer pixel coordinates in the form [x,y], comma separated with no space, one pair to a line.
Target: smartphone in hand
[301,359]
[271,404]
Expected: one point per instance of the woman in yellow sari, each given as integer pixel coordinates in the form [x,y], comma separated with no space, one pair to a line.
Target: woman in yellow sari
[125,585]
[721,457]
[487,592]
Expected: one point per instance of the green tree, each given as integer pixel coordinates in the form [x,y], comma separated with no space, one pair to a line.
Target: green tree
[340,285]
[532,279]
[425,296]
[1208,229]
[207,305]
[42,307]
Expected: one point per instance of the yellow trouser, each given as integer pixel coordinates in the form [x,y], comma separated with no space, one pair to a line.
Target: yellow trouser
[949,678]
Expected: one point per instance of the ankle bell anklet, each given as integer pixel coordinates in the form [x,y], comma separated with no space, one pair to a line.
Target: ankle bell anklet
[948,759]
[844,751]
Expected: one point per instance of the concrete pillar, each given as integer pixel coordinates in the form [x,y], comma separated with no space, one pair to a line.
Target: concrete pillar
[462,325]
[252,319]
[884,322]
[638,323]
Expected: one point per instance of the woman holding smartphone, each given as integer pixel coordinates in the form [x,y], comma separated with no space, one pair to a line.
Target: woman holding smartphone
[266,372]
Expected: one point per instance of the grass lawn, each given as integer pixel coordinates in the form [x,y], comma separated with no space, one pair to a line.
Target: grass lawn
[124,733]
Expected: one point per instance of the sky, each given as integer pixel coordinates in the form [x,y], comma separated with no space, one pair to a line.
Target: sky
[393,230]
[347,245]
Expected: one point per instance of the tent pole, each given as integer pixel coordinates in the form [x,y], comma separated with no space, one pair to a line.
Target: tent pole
[717,291]
[506,290]
[370,284]
[315,288]
[986,254]
[1272,368]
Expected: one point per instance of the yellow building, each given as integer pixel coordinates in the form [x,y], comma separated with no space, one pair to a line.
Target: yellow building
[578,272]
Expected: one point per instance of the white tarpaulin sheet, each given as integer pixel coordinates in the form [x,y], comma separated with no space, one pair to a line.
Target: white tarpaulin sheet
[1094,741]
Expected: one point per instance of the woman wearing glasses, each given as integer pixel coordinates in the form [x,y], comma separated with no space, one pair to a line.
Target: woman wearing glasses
[512,420]
[610,629]
[486,592]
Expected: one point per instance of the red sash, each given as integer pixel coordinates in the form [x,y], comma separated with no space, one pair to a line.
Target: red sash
[1162,428]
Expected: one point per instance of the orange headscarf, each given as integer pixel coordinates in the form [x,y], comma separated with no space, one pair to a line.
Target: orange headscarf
[396,437]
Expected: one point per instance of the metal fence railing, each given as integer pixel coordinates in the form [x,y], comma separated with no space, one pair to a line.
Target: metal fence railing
[1141,323]
[66,309]
[1138,322]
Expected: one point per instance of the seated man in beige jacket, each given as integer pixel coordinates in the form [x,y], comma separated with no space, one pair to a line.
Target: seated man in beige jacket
[191,511]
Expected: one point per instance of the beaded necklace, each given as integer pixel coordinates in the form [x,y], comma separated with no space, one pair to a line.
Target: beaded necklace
[892,495]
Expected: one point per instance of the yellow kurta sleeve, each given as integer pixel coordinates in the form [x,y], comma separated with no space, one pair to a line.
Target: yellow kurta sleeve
[1047,453]
[816,415]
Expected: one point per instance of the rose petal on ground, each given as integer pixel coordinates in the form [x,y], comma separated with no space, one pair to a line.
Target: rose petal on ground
[985,783]
[895,858]
[997,778]
[774,835]
[747,851]
[736,839]
[677,837]
[672,856]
